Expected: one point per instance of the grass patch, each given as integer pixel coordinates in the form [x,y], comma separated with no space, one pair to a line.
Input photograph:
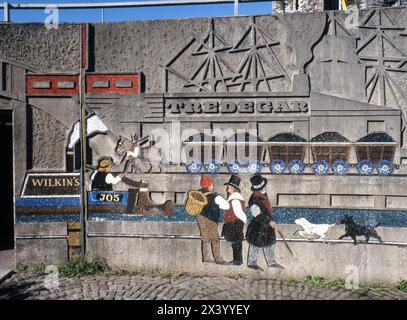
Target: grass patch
[291,281]
[80,265]
[336,282]
[401,285]
[315,281]
[320,282]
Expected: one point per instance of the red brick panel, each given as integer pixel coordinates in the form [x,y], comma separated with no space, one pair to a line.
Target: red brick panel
[95,83]
[45,85]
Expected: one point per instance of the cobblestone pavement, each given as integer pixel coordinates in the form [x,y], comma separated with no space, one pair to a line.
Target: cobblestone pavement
[26,285]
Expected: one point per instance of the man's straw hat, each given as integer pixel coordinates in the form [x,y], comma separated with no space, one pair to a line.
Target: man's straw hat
[105,162]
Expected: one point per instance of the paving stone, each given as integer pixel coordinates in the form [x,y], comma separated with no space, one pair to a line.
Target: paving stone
[120,293]
[185,287]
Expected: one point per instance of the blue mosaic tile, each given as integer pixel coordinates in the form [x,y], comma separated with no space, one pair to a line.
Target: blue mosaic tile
[48,202]
[47,218]
[384,168]
[253,166]
[212,166]
[386,218]
[320,167]
[296,166]
[365,167]
[234,166]
[194,166]
[340,167]
[277,166]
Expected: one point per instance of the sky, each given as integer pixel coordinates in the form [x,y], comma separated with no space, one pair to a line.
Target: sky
[128,14]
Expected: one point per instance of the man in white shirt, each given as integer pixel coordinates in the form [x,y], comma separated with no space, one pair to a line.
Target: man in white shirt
[102,179]
[234,219]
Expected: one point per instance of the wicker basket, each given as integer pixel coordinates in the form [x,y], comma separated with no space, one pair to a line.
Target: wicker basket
[196,201]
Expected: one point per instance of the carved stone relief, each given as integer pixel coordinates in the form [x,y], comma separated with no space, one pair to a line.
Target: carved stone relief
[251,62]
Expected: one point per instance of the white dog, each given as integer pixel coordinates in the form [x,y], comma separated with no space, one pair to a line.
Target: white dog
[316,231]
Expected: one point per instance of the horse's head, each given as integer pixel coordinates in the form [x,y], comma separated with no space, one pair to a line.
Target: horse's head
[135,139]
[123,145]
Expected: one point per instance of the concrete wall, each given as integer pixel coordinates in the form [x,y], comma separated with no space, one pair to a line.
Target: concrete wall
[328,67]
[307,190]
[41,243]
[323,67]
[175,247]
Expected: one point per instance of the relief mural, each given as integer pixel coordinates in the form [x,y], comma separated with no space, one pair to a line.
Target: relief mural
[285,130]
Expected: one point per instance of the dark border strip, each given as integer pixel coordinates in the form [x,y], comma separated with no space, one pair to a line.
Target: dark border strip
[35,237]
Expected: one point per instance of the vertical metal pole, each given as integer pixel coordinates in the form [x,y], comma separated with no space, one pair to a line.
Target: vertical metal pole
[236,7]
[6,12]
[82,123]
[103,12]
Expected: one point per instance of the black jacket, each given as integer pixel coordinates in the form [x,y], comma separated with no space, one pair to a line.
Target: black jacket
[259,232]
[99,182]
[211,210]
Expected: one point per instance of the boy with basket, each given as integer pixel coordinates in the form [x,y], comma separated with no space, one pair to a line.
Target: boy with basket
[208,219]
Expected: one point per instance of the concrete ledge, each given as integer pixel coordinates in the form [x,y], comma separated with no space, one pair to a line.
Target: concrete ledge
[151,227]
[41,229]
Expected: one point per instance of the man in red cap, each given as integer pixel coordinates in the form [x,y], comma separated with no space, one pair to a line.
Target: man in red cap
[208,221]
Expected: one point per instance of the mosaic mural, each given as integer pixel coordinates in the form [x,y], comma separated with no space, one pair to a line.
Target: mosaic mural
[248,129]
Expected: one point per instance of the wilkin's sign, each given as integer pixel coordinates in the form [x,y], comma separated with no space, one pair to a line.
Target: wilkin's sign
[51,184]
[261,107]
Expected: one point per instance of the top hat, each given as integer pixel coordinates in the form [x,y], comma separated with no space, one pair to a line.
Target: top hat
[234,181]
[104,162]
[258,182]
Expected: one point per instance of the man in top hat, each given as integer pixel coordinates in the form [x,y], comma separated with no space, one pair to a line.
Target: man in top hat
[102,179]
[208,221]
[234,219]
[260,231]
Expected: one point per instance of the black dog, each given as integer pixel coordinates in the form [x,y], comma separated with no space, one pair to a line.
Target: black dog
[353,230]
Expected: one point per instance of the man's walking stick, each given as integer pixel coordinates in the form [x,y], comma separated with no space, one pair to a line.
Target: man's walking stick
[282,237]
